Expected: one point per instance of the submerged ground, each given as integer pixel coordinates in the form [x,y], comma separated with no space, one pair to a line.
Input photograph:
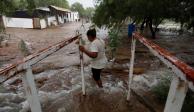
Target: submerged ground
[58,77]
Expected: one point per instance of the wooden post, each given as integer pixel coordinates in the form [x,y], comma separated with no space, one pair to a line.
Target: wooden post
[176,96]
[2,25]
[30,91]
[133,44]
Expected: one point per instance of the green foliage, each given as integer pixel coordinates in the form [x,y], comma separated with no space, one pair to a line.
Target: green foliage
[31,5]
[89,12]
[59,3]
[114,40]
[6,6]
[79,8]
[162,88]
[161,91]
[111,12]
[21,4]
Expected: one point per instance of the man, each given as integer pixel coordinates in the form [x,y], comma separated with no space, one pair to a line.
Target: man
[96,51]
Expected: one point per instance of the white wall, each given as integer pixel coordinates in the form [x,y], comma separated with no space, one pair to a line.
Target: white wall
[69,19]
[51,20]
[43,23]
[19,22]
[73,16]
[61,19]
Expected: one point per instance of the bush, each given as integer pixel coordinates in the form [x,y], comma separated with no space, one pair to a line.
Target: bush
[161,91]
[114,40]
[162,88]
[189,102]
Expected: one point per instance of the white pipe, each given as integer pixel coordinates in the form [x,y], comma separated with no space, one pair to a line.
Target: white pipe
[133,44]
[31,91]
[82,68]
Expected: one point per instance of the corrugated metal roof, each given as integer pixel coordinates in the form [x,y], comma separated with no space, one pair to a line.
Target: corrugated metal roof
[44,9]
[60,9]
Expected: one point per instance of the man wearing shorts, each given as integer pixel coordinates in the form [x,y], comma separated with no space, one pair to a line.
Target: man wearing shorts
[96,51]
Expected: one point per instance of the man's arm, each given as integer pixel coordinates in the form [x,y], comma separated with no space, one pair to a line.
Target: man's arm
[90,54]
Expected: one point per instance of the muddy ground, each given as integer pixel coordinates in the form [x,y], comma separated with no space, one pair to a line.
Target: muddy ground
[36,39]
[58,77]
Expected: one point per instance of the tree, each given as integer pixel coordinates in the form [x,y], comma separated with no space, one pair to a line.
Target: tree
[89,11]
[32,4]
[6,7]
[59,3]
[79,8]
[149,12]
[21,4]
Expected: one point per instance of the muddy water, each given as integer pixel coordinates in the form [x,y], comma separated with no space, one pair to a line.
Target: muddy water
[58,80]
[182,46]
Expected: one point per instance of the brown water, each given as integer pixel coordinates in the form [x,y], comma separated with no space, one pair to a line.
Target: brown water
[58,80]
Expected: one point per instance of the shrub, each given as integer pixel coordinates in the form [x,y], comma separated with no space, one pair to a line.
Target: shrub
[114,40]
[162,88]
[161,91]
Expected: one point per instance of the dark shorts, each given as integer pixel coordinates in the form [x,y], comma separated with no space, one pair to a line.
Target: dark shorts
[96,74]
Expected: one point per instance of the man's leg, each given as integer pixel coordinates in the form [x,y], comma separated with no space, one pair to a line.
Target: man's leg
[96,76]
[99,82]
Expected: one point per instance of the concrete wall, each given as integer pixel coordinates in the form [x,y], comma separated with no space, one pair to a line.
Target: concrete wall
[70,17]
[43,23]
[52,20]
[73,16]
[18,22]
[61,19]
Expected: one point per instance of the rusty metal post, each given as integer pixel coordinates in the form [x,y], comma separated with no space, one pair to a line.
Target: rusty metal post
[131,67]
[30,90]
[176,96]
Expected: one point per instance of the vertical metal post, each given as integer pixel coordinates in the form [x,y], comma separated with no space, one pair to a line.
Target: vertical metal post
[82,68]
[82,31]
[131,67]
[30,90]
[176,96]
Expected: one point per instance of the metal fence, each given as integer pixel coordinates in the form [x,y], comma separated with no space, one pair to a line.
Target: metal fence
[180,84]
[25,66]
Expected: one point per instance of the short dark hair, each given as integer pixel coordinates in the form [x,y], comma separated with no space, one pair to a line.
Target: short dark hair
[91,32]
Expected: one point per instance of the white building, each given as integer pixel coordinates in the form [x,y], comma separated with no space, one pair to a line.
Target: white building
[73,16]
[42,17]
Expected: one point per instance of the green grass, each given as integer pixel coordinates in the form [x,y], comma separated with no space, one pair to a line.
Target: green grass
[161,91]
